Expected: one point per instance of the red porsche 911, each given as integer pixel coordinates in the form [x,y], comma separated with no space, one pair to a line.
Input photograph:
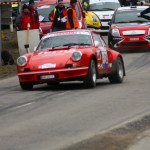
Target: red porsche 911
[70,55]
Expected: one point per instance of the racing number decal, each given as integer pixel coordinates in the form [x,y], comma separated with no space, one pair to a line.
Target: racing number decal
[104,58]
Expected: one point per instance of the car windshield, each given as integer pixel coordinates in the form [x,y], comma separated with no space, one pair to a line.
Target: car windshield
[56,40]
[104,6]
[130,17]
[45,10]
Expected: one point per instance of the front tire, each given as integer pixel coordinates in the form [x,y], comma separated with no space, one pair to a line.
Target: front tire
[118,75]
[90,79]
[26,86]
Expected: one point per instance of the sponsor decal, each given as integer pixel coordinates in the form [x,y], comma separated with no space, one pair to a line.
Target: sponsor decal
[46,66]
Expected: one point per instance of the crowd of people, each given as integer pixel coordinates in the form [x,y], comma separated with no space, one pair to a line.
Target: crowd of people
[28,18]
[62,17]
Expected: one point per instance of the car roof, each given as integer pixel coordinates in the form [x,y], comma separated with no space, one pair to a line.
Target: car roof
[128,8]
[97,1]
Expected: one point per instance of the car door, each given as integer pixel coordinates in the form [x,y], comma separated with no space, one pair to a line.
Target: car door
[102,54]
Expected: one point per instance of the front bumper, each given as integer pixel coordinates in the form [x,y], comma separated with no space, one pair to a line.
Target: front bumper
[58,75]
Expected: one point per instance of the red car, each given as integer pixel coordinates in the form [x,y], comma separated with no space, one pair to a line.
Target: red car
[128,31]
[70,55]
[45,7]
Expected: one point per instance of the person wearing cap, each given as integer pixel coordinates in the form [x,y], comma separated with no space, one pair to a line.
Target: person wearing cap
[59,17]
[34,16]
[23,20]
[72,21]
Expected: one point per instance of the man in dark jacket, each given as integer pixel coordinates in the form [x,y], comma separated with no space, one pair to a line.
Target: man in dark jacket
[59,17]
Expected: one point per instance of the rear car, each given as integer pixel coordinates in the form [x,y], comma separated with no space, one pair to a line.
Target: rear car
[128,31]
[104,9]
[44,9]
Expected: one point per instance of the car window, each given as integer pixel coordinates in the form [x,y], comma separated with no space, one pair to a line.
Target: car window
[65,40]
[44,12]
[130,17]
[104,6]
[98,38]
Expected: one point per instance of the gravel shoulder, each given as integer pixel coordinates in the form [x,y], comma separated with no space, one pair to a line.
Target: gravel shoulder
[121,138]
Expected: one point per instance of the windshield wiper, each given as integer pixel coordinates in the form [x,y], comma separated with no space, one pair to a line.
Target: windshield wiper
[136,21]
[107,9]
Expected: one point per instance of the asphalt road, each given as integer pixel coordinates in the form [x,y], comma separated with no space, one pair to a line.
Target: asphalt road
[50,118]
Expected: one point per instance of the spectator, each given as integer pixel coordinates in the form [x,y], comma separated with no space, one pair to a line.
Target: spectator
[23,20]
[72,22]
[34,16]
[59,17]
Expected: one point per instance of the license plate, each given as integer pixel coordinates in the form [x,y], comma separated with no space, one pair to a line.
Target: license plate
[48,77]
[134,39]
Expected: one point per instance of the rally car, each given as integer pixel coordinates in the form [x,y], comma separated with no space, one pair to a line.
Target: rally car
[70,55]
[128,31]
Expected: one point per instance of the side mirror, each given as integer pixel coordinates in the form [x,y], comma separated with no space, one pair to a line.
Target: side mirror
[96,43]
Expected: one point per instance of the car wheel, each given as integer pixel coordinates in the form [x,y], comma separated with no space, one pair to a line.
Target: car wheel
[26,86]
[118,74]
[90,79]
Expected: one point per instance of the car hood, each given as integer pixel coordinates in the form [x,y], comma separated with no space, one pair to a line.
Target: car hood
[104,14]
[133,25]
[57,58]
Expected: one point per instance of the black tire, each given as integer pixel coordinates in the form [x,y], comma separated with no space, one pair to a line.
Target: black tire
[118,74]
[26,86]
[90,79]
[7,58]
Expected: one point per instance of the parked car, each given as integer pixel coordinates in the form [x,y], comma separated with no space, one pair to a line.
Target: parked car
[92,20]
[45,7]
[70,55]
[104,9]
[128,31]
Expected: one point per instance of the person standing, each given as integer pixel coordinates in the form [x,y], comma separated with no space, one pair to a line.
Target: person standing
[72,22]
[34,16]
[23,20]
[59,17]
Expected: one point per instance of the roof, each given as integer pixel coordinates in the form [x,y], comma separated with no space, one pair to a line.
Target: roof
[132,8]
[97,1]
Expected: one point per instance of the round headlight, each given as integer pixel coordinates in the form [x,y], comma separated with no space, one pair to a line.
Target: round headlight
[22,60]
[76,55]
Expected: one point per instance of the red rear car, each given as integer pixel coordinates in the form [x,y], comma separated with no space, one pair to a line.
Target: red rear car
[45,7]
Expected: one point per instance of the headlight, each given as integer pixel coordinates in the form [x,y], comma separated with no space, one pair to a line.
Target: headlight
[76,55]
[21,61]
[115,32]
[94,19]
